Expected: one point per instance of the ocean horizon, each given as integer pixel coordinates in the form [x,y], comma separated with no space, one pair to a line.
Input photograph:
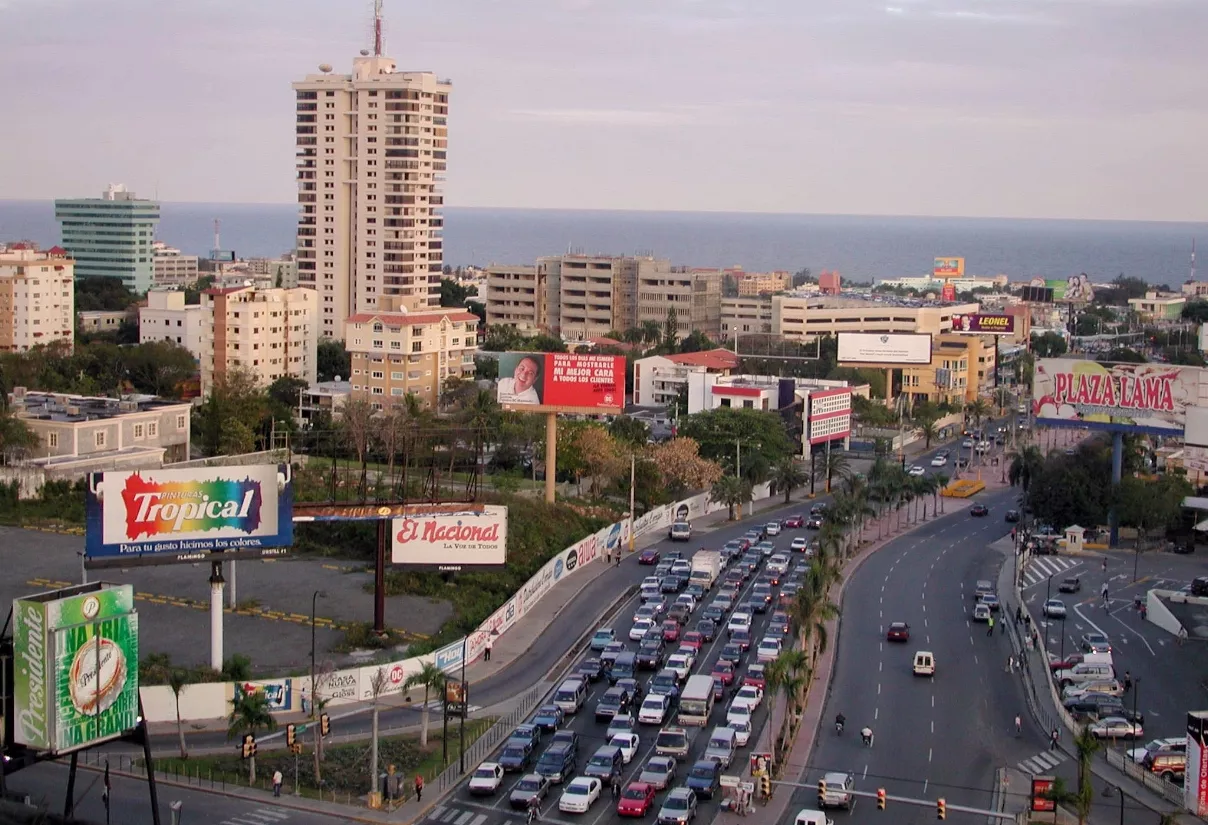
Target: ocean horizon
[860,248]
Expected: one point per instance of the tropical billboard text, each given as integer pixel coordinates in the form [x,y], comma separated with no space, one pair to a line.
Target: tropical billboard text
[1144,398]
[474,537]
[884,348]
[983,324]
[561,382]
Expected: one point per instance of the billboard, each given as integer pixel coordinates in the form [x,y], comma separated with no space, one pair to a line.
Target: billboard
[948,293]
[561,382]
[1140,398]
[1075,289]
[181,516]
[948,268]
[885,349]
[476,536]
[75,680]
[1042,786]
[983,324]
[1195,781]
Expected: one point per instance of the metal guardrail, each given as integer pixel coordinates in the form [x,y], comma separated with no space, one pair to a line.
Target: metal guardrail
[1167,790]
[490,740]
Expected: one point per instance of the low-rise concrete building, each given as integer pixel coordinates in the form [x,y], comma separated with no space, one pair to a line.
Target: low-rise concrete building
[96,321]
[659,379]
[167,317]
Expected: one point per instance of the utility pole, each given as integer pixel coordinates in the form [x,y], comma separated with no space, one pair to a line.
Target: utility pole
[633,464]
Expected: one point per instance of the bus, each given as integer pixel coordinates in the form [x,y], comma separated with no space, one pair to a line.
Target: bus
[696,702]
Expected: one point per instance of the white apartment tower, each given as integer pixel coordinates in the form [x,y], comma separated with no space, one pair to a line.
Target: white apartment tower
[371,164]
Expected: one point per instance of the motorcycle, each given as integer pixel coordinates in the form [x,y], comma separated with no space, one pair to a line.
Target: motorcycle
[838,728]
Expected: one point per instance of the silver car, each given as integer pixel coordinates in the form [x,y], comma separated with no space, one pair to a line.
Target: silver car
[679,808]
[659,772]
[1054,609]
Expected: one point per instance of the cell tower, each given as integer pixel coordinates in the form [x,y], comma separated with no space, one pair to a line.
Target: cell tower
[1192,278]
[377,28]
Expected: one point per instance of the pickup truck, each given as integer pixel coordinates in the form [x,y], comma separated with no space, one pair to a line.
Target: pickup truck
[680,531]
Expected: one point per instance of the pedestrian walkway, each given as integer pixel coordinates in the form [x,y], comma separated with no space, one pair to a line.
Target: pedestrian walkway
[260,816]
[455,815]
[1043,762]
[1040,569]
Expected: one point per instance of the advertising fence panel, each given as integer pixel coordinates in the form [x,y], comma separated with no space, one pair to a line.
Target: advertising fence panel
[476,537]
[1195,781]
[886,349]
[1137,398]
[561,382]
[983,324]
[181,516]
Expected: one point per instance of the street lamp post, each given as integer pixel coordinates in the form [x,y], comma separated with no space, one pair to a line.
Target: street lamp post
[465,701]
[1136,688]
[314,604]
[1048,593]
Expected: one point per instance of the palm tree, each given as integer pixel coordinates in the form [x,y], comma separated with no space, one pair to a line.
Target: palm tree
[177,682]
[1060,795]
[941,481]
[927,486]
[786,477]
[929,431]
[1026,464]
[732,492]
[1002,397]
[249,714]
[835,464]
[432,678]
[977,409]
[1086,745]
[775,673]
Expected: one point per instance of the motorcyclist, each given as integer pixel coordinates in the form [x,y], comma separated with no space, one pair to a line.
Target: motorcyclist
[840,721]
[866,734]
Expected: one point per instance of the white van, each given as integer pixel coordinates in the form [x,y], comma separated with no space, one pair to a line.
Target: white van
[1085,672]
[721,747]
[924,663]
[807,816]
[570,696]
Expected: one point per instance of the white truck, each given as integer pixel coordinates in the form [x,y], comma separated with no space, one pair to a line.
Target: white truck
[706,568]
[680,531]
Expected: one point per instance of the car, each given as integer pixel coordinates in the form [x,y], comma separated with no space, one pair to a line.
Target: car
[602,639]
[628,743]
[679,612]
[1070,585]
[658,773]
[742,638]
[621,723]
[580,794]
[761,596]
[610,654]
[1172,744]
[939,461]
[982,588]
[983,446]
[753,537]
[739,621]
[648,610]
[696,591]
[705,778]
[765,548]
[1012,516]
[967,444]
[731,653]
[818,509]
[742,733]
[548,718]
[707,628]
[898,632]
[768,650]
[714,612]
[615,700]
[664,682]
[692,639]
[639,628]
[778,564]
[981,613]
[978,510]
[916,470]
[991,601]
[1054,609]
[1071,659]
[839,788]
[1095,643]
[526,734]
[732,547]
[679,808]
[516,756]
[1115,727]
[755,677]
[650,654]
[796,520]
[670,584]
[671,630]
[590,669]
[723,671]
[654,709]
[814,522]
[637,799]
[570,737]
[738,711]
[681,663]
[778,626]
[686,599]
[681,567]
[532,789]
[745,541]
[772,528]
[750,695]
[799,544]
[486,779]
[648,557]
[1199,586]
[1107,687]
[719,690]
[723,603]
[673,742]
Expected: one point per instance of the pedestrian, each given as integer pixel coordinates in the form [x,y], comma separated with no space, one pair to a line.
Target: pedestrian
[990,626]
[618,557]
[277,780]
[1053,737]
[419,788]
[608,556]
[1181,636]
[1127,681]
[1105,570]
[1018,725]
[1018,614]
[1023,658]
[1002,627]
[1010,664]
[486,651]
[616,787]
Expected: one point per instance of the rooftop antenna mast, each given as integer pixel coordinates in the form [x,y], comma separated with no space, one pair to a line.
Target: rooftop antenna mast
[1192,260]
[217,227]
[377,28]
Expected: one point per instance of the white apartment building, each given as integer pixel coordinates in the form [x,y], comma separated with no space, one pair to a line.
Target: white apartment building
[167,317]
[371,162]
[659,379]
[37,298]
[171,267]
[261,329]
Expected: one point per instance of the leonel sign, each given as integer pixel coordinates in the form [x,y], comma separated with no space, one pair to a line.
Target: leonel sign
[983,324]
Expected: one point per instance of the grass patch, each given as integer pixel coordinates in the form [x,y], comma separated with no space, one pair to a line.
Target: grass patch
[360,636]
[345,767]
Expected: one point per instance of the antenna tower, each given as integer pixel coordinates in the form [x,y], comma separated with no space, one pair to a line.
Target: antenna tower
[1192,278]
[377,28]
[217,226]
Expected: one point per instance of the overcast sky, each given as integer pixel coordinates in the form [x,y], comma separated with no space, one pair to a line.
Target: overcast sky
[1023,108]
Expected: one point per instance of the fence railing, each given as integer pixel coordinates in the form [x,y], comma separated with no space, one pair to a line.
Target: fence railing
[1167,790]
[490,740]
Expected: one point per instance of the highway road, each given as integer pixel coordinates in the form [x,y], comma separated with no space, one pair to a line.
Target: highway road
[933,737]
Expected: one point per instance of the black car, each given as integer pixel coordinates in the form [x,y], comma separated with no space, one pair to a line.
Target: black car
[814,522]
[707,629]
[670,584]
[591,669]
[1091,707]
[705,778]
[731,653]
[1071,585]
[761,597]
[1199,586]
[979,510]
[515,757]
[1012,516]
[615,700]
[719,690]
[650,654]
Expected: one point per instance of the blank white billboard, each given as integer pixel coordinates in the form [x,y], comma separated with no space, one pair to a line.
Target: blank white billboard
[888,348]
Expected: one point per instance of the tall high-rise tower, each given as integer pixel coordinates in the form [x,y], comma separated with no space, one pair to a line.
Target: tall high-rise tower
[371,164]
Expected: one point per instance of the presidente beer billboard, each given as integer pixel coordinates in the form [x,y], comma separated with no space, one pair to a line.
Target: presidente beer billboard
[884,349]
[1136,398]
[476,537]
[983,324]
[561,382]
[75,680]
[179,516]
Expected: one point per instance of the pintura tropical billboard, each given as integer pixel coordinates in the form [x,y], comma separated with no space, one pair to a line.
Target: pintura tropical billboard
[75,679]
[167,516]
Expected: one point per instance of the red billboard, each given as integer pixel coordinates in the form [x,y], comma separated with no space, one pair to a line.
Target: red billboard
[1041,787]
[561,382]
[983,324]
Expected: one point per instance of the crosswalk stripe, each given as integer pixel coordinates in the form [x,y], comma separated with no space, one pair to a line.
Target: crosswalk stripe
[436,812]
[478,820]
[464,818]
[1041,762]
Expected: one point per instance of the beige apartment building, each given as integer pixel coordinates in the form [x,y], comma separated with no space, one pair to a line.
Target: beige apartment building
[960,366]
[167,317]
[255,327]
[371,160]
[763,283]
[693,294]
[797,317]
[516,297]
[171,267]
[395,354]
[37,298]
[743,316]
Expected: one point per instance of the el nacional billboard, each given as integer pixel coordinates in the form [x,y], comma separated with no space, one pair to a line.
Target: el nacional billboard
[476,537]
[561,382]
[884,349]
[1141,398]
[180,516]
[75,654]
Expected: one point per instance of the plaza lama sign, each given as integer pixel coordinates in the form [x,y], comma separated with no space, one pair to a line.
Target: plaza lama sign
[1129,397]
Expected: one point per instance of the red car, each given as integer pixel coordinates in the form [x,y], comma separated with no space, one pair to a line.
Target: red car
[754,677]
[671,631]
[898,632]
[1057,663]
[693,640]
[724,671]
[636,800]
[649,557]
[745,542]
[795,520]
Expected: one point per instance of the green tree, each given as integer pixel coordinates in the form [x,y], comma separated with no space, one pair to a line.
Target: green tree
[786,477]
[16,438]
[249,714]
[332,360]
[1049,345]
[977,409]
[929,431]
[834,463]
[177,682]
[158,367]
[226,423]
[1025,465]
[670,330]
[719,433]
[696,341]
[431,678]
[101,293]
[731,491]
[453,294]
[628,430]
[1086,744]
[1151,505]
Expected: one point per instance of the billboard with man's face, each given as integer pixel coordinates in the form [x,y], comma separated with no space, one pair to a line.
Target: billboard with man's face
[561,382]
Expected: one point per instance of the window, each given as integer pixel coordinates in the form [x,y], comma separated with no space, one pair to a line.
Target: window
[378,391]
[153,429]
[377,374]
[396,376]
[139,431]
[180,421]
[52,440]
[398,391]
[98,438]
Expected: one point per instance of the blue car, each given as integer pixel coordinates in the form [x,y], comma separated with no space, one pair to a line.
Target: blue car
[705,778]
[516,756]
[548,718]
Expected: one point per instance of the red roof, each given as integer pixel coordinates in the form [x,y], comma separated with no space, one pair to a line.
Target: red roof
[714,359]
[56,250]
[403,319]
[605,341]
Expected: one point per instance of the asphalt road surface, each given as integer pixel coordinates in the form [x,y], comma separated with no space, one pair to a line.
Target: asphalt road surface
[933,737]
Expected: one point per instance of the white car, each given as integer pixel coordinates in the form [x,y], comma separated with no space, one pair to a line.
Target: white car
[486,779]
[652,580]
[768,650]
[628,743]
[967,444]
[982,447]
[778,563]
[638,631]
[681,568]
[742,732]
[654,709]
[750,695]
[688,600]
[681,663]
[916,471]
[580,795]
[738,712]
[772,528]
[1054,609]
[739,621]
[799,544]
[939,461]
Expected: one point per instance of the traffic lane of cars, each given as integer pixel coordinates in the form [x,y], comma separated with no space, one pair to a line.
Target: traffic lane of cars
[592,733]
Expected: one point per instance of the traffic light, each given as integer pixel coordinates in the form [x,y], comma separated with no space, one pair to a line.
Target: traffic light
[249,745]
[296,748]
[291,735]
[881,799]
[765,785]
[821,792]
[941,809]
[324,724]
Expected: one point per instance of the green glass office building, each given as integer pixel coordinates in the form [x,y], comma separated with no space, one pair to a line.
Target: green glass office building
[110,236]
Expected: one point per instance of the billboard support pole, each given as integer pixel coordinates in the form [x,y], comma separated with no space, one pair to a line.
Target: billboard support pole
[996,354]
[69,802]
[551,455]
[379,577]
[232,594]
[633,464]
[145,735]
[1113,519]
[216,583]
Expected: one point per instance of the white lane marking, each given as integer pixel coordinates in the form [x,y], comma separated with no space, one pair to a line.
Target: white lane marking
[929,754]
[1135,633]
[865,776]
[933,726]
[878,688]
[876,712]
